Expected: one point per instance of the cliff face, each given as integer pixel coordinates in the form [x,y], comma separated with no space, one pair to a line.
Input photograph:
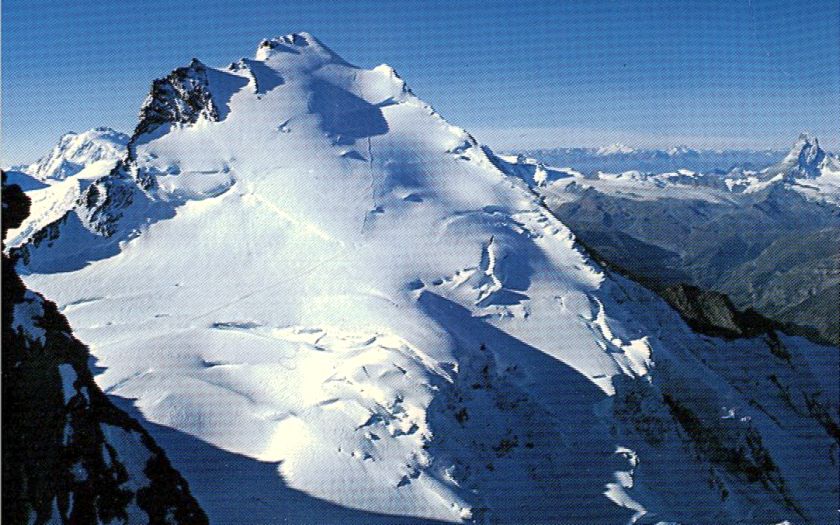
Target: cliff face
[180,97]
[713,313]
[69,455]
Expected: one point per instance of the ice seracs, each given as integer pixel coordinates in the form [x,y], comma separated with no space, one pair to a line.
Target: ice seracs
[397,325]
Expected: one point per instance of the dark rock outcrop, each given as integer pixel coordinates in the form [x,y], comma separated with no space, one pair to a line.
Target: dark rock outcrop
[712,313]
[180,97]
[69,455]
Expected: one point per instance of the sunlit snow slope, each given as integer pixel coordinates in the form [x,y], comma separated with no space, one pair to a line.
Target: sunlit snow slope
[77,151]
[300,265]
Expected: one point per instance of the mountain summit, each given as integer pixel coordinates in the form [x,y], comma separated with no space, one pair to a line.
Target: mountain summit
[302,44]
[75,151]
[804,160]
[302,272]
[614,149]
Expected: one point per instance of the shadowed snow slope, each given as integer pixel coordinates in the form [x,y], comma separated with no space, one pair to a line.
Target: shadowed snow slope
[301,265]
[69,455]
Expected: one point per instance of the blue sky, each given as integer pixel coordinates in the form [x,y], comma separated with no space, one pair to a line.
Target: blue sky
[740,73]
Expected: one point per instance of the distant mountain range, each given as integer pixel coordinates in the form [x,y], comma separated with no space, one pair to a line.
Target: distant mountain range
[619,158]
[769,238]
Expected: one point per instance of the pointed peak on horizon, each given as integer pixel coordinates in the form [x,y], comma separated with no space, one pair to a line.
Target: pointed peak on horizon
[805,139]
[806,148]
[804,158]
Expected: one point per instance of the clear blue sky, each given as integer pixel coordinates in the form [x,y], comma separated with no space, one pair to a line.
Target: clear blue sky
[706,73]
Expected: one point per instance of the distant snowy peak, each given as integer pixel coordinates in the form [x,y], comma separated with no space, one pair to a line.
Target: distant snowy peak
[682,151]
[76,151]
[614,149]
[806,169]
[534,172]
[619,149]
[805,159]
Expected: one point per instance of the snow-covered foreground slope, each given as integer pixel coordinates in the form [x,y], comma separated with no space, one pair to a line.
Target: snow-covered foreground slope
[301,272]
[69,455]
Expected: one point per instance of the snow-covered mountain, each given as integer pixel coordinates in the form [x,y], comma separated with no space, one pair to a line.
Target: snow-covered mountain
[331,306]
[55,182]
[69,455]
[614,149]
[805,160]
[617,158]
[807,168]
[77,151]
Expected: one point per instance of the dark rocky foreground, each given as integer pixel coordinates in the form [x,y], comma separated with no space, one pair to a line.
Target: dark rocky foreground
[69,455]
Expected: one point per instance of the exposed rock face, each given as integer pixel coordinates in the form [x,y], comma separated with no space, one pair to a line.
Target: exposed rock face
[803,161]
[713,313]
[180,97]
[69,455]
[100,206]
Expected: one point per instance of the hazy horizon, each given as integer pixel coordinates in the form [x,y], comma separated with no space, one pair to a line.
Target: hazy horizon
[583,74]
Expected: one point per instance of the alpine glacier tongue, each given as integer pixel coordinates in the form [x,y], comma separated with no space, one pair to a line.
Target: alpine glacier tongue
[307,266]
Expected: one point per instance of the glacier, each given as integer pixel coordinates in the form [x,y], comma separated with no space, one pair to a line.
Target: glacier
[329,305]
